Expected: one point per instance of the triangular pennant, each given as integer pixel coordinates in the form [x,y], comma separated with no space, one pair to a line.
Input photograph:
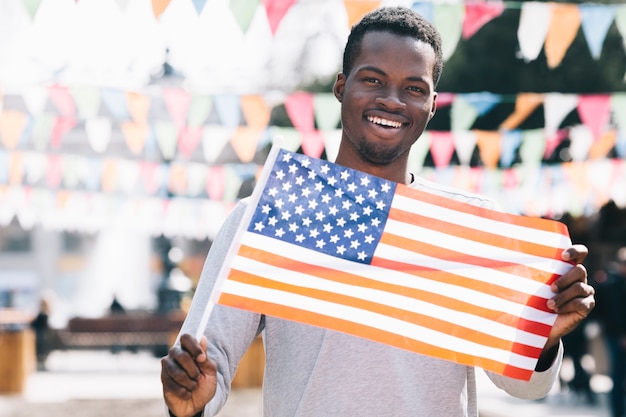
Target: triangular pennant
[159,6]
[16,168]
[511,140]
[255,111]
[596,19]
[166,137]
[116,103]
[601,147]
[199,5]
[98,132]
[556,107]
[489,143]
[479,14]
[41,132]
[62,99]
[595,111]
[332,140]
[327,111]
[553,141]
[356,9]
[135,135]
[177,183]
[34,167]
[12,124]
[313,143]
[445,99]
[196,179]
[243,12]
[276,11]
[54,171]
[525,104]
[483,101]
[581,138]
[123,5]
[108,179]
[31,7]
[620,143]
[215,182]
[244,142]
[214,139]
[620,21]
[563,30]
[148,176]
[128,176]
[418,152]
[232,183]
[72,174]
[138,106]
[448,18]
[462,114]
[299,107]
[464,143]
[199,109]
[62,125]
[618,108]
[177,102]
[424,8]
[532,147]
[228,109]
[87,99]
[533,26]
[286,137]
[188,140]
[441,148]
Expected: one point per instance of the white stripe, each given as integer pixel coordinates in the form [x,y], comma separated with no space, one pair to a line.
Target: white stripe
[378,321]
[413,305]
[399,278]
[487,275]
[497,227]
[475,248]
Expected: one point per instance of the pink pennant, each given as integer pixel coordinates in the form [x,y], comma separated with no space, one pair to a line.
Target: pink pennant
[478,14]
[61,126]
[441,148]
[445,99]
[594,111]
[215,182]
[177,102]
[149,178]
[510,179]
[188,140]
[300,110]
[276,10]
[62,98]
[553,141]
[54,171]
[313,143]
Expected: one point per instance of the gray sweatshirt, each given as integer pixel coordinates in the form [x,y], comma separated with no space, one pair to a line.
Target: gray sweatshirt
[313,372]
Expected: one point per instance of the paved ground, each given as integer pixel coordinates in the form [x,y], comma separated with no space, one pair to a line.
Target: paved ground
[98,384]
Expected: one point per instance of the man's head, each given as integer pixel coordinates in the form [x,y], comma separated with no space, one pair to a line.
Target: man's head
[399,21]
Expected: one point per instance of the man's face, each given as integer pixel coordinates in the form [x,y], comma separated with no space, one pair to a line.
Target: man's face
[387,99]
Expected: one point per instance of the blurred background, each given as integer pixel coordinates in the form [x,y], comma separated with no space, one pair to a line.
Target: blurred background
[129,129]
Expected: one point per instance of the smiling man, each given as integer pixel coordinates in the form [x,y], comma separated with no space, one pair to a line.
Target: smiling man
[392,63]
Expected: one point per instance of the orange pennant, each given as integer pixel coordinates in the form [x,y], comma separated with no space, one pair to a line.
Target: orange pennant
[135,135]
[138,106]
[109,175]
[489,144]
[12,125]
[356,9]
[603,145]
[255,111]
[562,32]
[178,179]
[159,6]
[244,141]
[525,104]
[16,168]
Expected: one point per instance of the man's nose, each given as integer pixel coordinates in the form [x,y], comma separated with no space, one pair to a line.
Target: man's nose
[391,99]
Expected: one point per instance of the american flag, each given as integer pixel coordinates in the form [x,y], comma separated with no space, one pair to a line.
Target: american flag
[329,246]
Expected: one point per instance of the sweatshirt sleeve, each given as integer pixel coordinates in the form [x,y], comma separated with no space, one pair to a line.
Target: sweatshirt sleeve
[229,331]
[537,387]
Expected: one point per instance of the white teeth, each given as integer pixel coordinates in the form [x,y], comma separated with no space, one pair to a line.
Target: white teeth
[384,122]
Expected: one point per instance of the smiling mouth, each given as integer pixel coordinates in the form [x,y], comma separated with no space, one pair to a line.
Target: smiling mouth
[384,122]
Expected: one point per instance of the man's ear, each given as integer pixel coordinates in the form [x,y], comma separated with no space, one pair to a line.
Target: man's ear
[433,109]
[340,84]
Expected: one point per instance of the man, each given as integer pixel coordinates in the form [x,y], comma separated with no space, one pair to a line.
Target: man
[392,63]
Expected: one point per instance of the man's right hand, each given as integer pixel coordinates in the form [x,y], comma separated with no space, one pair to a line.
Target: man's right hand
[188,376]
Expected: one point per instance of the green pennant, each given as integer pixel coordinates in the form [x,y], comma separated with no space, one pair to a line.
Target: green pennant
[31,7]
[327,111]
[199,109]
[533,146]
[87,99]
[243,11]
[463,114]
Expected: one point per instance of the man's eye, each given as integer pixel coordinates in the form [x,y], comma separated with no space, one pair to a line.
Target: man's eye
[372,80]
[416,89]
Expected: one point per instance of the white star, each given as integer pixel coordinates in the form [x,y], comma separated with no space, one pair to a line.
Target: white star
[375,222]
[286,157]
[306,222]
[272,192]
[306,162]
[319,186]
[299,180]
[279,232]
[314,233]
[341,249]
[334,239]
[381,205]
[299,209]
[286,186]
[293,168]
[362,227]
[355,244]
[306,192]
[361,255]
[332,181]
[341,222]
[312,174]
[285,215]
[339,193]
[348,233]
[320,243]
[328,227]
[359,199]
[367,210]
[292,198]
[369,239]
[332,210]
[351,187]
[345,175]
[325,168]
[372,193]
[312,204]
[266,208]
[272,221]
[386,187]
[258,226]
[293,227]
[280,174]
[279,203]
[319,216]
[346,204]
[326,199]
[365,181]
[300,238]
[354,216]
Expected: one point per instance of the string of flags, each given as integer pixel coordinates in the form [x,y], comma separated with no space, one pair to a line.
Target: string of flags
[548,26]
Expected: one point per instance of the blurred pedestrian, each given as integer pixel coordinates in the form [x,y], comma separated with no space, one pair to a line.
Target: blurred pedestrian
[611,313]
[41,326]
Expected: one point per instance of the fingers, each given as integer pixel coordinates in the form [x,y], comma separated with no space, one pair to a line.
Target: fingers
[183,365]
[575,254]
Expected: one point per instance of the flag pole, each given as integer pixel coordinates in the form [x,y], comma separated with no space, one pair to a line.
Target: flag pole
[236,242]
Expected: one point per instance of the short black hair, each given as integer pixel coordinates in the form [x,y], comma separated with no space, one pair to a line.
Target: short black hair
[398,20]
